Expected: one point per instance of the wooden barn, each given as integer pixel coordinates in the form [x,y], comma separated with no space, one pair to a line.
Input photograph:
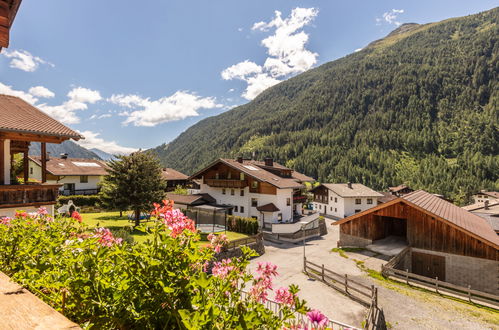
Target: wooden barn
[445,241]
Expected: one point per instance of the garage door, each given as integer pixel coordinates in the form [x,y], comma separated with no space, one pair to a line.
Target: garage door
[428,265]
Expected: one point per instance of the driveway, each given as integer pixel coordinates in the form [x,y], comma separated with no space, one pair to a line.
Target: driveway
[405,308]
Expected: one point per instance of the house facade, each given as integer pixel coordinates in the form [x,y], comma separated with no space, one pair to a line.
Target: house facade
[174,178]
[76,176]
[482,196]
[340,200]
[21,124]
[443,240]
[266,191]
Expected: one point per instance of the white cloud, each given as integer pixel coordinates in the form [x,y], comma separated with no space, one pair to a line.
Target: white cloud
[8,90]
[153,112]
[390,17]
[286,52]
[358,50]
[92,140]
[41,91]
[240,29]
[24,60]
[78,99]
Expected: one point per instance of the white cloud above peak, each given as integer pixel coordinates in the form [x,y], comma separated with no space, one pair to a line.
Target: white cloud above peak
[93,140]
[41,91]
[286,51]
[147,112]
[24,60]
[390,17]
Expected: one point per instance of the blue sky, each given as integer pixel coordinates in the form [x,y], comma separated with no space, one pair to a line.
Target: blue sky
[134,74]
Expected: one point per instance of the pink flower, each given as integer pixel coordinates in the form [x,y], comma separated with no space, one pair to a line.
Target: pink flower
[106,238]
[5,221]
[263,282]
[316,317]
[42,211]
[75,215]
[283,296]
[222,269]
[217,242]
[267,269]
[174,219]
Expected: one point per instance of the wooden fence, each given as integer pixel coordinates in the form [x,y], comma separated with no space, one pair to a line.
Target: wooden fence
[301,318]
[441,287]
[244,241]
[363,294]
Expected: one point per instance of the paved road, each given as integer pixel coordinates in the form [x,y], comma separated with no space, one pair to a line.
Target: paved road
[404,308]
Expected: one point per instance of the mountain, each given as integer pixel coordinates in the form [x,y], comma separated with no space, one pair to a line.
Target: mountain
[419,106]
[67,147]
[102,154]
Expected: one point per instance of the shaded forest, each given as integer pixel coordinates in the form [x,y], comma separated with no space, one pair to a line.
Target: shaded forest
[418,107]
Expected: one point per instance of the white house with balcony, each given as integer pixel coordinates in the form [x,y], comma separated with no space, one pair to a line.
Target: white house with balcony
[340,200]
[266,190]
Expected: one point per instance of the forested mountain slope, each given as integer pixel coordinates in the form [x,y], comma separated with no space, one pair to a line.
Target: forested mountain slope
[419,106]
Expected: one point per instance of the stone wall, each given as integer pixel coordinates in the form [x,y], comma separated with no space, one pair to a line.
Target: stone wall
[322,227]
[353,241]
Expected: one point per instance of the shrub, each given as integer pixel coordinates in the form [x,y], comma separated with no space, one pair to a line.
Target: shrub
[79,200]
[242,225]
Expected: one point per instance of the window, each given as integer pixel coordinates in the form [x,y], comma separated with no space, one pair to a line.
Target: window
[83,178]
[331,198]
[232,192]
[241,209]
[357,211]
[358,201]
[279,216]
[223,191]
[31,170]
[331,208]
[254,184]
[217,176]
[254,202]
[369,201]
[235,208]
[229,175]
[241,176]
[336,199]
[288,201]
[242,192]
[335,209]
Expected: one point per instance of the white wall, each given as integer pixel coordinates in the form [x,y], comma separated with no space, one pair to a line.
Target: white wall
[6,165]
[93,180]
[344,207]
[279,200]
[480,198]
[11,211]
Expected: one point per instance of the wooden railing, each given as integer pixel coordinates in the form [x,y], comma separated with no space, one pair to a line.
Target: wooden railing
[226,183]
[244,241]
[275,307]
[28,195]
[441,287]
[363,294]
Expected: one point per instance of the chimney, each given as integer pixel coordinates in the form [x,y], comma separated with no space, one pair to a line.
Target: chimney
[64,156]
[240,159]
[349,184]
[269,161]
[486,205]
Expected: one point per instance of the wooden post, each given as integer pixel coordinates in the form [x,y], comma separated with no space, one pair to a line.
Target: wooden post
[436,283]
[346,283]
[44,161]
[305,264]
[2,162]
[376,297]
[26,167]
[323,273]
[469,293]
[407,276]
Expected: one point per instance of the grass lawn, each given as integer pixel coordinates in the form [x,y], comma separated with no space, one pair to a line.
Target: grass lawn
[112,220]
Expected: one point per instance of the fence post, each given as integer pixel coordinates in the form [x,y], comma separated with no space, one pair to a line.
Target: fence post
[469,293]
[346,283]
[436,283]
[323,273]
[305,264]
[407,276]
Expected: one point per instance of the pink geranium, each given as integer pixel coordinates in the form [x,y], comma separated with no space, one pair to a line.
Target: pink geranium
[317,318]
[284,296]
[5,221]
[217,242]
[263,282]
[42,211]
[106,238]
[223,268]
[75,215]
[174,219]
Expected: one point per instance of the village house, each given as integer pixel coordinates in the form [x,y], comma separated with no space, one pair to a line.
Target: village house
[21,124]
[174,178]
[76,175]
[400,190]
[482,196]
[339,200]
[442,239]
[266,191]
[489,210]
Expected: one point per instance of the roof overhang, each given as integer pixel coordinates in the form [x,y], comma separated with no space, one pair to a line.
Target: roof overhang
[8,11]
[34,136]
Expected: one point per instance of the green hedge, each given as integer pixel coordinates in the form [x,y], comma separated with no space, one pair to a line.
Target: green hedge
[79,200]
[242,225]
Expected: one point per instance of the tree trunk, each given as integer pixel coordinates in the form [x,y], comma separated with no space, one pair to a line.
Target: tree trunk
[137,218]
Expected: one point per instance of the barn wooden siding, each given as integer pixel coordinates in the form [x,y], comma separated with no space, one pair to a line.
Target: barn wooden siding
[423,231]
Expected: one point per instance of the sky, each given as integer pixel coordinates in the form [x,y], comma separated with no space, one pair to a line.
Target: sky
[132,75]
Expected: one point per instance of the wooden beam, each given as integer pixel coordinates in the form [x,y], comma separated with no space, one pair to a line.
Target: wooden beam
[44,162]
[2,179]
[32,137]
[25,166]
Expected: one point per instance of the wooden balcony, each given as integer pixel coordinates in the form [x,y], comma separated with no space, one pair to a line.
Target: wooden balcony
[28,195]
[299,199]
[226,183]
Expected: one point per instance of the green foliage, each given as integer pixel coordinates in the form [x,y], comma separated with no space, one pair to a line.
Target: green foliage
[242,225]
[157,285]
[134,182]
[179,190]
[79,200]
[395,112]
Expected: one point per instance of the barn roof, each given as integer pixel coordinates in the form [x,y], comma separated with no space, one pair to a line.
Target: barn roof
[350,190]
[443,210]
[73,166]
[171,174]
[270,207]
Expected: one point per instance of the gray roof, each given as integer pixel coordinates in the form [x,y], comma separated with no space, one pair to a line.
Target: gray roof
[357,190]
